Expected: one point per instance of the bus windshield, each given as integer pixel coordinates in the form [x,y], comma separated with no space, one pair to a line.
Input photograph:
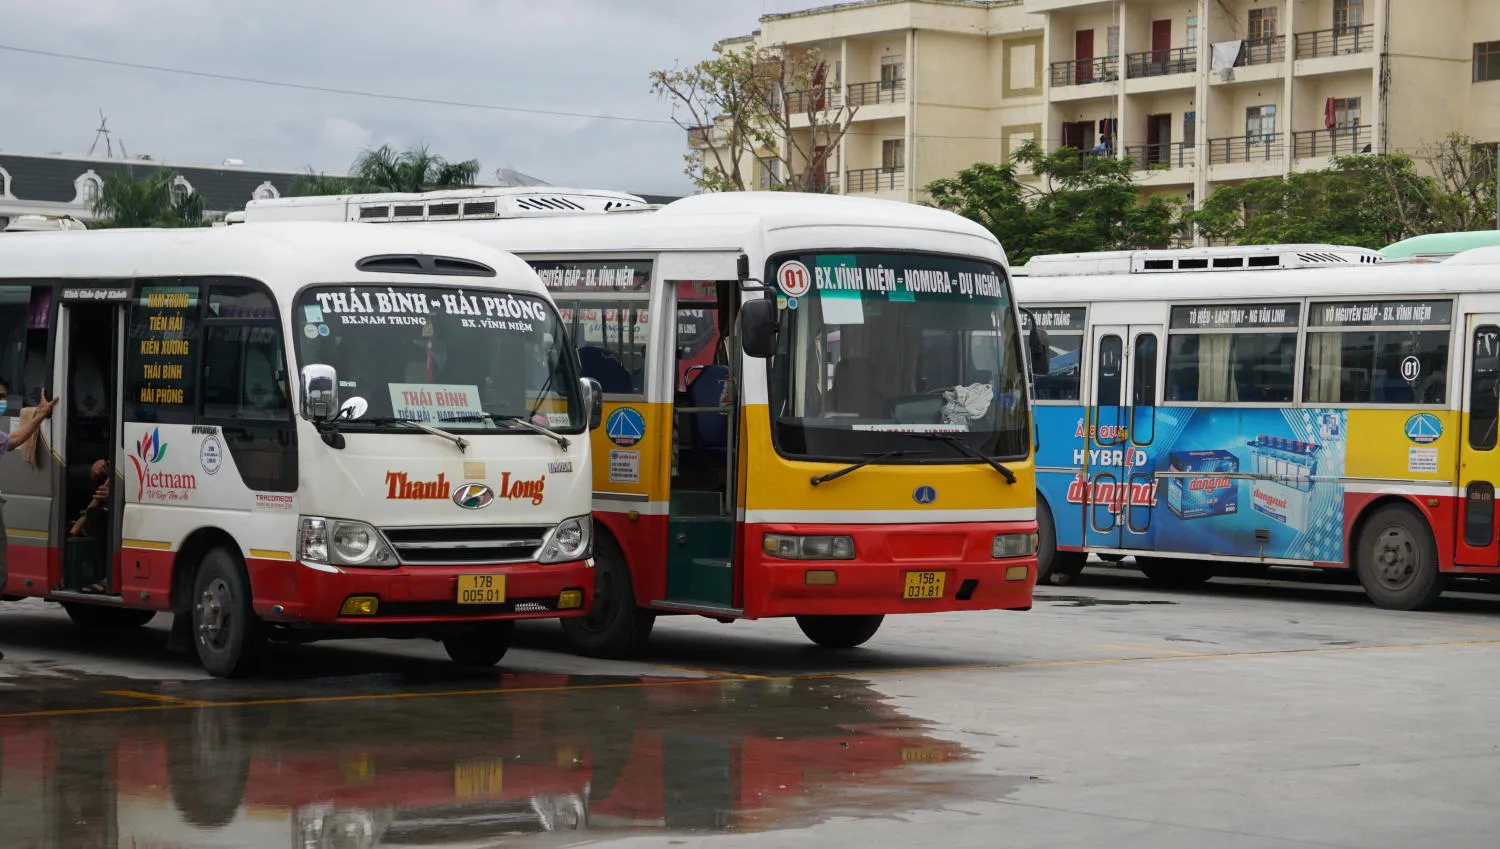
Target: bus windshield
[881,345]
[458,359]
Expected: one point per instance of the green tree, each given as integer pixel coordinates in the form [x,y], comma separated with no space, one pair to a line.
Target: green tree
[384,170]
[756,107]
[1366,200]
[152,201]
[1076,202]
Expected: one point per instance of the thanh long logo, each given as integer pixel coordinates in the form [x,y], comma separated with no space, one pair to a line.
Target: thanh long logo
[150,450]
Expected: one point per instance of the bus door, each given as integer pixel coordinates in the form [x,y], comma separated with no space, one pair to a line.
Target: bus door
[1124,392]
[91,323]
[1479,459]
[701,518]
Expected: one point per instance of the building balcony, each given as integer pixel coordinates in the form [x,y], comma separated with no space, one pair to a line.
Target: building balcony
[1085,71]
[1264,147]
[880,91]
[1161,63]
[1338,141]
[1264,51]
[865,180]
[813,100]
[1339,41]
[1152,157]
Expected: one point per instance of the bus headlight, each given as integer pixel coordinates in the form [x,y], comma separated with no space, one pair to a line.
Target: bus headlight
[789,547]
[342,542]
[571,540]
[1013,545]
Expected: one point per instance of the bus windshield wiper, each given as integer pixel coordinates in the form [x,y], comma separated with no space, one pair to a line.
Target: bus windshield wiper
[503,418]
[956,442]
[895,452]
[463,444]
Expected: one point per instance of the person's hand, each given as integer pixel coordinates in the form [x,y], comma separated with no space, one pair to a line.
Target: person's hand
[101,494]
[44,407]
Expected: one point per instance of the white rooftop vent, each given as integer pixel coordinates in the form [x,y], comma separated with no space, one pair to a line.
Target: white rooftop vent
[1238,258]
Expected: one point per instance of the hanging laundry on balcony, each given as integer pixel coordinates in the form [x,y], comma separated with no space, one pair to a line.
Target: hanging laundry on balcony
[1330,115]
[1225,54]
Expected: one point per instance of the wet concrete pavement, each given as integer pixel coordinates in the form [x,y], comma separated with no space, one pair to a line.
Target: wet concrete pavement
[1241,714]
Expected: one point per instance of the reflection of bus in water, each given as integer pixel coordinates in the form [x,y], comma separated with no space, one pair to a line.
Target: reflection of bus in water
[440,773]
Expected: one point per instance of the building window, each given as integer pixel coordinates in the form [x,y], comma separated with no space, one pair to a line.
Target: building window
[1346,113]
[1348,15]
[1262,26]
[1113,36]
[1486,61]
[1189,129]
[893,154]
[1260,122]
[181,189]
[770,172]
[89,188]
[4,183]
[1192,31]
[890,71]
[265,191]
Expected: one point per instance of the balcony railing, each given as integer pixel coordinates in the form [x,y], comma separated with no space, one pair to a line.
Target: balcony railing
[1160,63]
[1168,155]
[874,179]
[1339,141]
[814,100]
[880,91]
[1262,51]
[827,182]
[1262,147]
[1338,41]
[1085,71]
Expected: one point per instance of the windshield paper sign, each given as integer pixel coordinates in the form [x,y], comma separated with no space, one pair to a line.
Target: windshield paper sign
[435,402]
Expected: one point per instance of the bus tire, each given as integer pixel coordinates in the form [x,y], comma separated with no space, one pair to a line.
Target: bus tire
[1397,560]
[99,617]
[1173,573]
[839,632]
[615,627]
[1053,566]
[480,646]
[228,635]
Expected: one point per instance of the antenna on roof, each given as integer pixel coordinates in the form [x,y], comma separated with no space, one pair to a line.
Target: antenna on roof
[109,148]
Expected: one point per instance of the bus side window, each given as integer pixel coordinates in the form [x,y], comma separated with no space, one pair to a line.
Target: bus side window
[1484,391]
[1143,380]
[1111,353]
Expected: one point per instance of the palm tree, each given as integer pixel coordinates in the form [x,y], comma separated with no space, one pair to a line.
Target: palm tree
[152,201]
[385,170]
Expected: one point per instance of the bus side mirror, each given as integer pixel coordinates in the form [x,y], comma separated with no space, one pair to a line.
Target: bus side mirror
[320,392]
[758,328]
[593,401]
[1041,350]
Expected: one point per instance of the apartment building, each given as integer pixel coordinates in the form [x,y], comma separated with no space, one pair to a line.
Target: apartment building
[1197,93]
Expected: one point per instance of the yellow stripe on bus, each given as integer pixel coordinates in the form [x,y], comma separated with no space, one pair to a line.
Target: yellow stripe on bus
[269,554]
[151,544]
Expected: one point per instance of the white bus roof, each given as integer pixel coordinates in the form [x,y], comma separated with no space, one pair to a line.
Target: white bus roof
[739,221]
[446,205]
[294,254]
[1180,260]
[1380,280]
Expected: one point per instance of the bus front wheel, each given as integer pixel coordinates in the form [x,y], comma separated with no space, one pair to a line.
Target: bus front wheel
[480,646]
[1053,566]
[615,626]
[228,635]
[839,632]
[1398,560]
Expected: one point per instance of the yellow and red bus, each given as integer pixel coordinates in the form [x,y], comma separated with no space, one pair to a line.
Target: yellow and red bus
[861,447]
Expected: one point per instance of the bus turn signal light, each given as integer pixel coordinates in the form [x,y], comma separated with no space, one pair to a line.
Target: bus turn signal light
[820,578]
[360,605]
[570,599]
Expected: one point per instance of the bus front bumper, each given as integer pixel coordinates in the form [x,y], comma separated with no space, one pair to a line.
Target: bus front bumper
[313,594]
[951,566]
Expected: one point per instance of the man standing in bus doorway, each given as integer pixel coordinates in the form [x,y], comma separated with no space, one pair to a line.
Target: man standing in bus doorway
[10,442]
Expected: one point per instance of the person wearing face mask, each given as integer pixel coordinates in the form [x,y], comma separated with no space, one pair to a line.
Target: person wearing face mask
[10,441]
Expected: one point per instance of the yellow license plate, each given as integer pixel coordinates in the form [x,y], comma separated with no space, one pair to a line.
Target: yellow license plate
[479,779]
[924,585]
[481,589]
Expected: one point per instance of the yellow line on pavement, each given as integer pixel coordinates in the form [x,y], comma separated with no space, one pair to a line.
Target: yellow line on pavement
[1172,652]
[689,682]
[719,672]
[154,697]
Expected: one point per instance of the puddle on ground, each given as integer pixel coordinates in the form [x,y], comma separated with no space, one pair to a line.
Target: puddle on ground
[1090,601]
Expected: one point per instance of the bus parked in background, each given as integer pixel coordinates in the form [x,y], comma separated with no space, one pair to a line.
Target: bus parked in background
[1439,246]
[309,431]
[1299,405]
[861,447]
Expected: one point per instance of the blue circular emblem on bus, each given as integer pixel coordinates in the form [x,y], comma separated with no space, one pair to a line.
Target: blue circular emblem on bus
[625,427]
[1424,428]
[924,495]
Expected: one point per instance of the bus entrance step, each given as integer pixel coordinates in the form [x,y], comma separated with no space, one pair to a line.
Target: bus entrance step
[698,607]
[91,598]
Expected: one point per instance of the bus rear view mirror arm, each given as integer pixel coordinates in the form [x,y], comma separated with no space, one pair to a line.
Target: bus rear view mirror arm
[758,328]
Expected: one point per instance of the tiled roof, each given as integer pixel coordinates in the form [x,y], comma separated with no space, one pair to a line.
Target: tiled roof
[51,178]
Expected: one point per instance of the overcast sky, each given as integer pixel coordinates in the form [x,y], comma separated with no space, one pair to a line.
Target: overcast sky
[585,56]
